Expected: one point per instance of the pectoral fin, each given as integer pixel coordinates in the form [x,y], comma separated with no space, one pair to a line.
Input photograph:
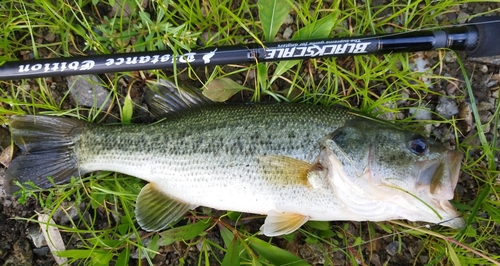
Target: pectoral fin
[288,171]
[282,223]
[155,211]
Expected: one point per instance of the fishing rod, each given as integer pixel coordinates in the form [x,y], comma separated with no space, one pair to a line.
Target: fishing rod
[479,38]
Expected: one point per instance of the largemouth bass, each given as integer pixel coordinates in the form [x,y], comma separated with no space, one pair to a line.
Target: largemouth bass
[293,162]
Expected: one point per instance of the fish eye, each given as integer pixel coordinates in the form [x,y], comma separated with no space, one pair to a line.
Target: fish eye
[418,145]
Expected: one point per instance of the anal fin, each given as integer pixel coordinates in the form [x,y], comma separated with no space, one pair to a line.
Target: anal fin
[282,223]
[155,211]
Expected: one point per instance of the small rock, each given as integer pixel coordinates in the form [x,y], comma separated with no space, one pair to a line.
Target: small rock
[6,156]
[65,213]
[494,94]
[375,260]
[6,202]
[288,20]
[415,248]
[25,88]
[421,64]
[400,116]
[135,253]
[462,17]
[278,38]
[87,91]
[423,259]
[386,116]
[50,37]
[393,247]
[484,69]
[428,129]
[287,33]
[404,97]
[447,107]
[35,234]
[491,83]
[421,113]
[485,116]
[250,74]
[42,252]
[451,88]
[485,106]
[450,58]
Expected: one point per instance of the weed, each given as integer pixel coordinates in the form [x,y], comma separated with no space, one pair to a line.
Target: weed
[383,85]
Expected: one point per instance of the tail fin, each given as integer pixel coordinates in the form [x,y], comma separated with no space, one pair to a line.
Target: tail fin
[48,146]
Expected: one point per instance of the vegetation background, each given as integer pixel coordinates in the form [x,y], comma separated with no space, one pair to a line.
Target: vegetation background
[438,93]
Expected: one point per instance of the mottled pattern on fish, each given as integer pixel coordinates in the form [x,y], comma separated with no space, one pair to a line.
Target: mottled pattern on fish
[293,162]
[219,155]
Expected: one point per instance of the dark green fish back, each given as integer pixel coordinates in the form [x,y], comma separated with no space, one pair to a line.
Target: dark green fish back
[237,130]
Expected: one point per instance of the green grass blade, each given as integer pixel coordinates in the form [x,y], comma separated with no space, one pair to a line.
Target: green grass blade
[318,29]
[452,255]
[233,245]
[185,232]
[127,110]
[384,85]
[272,14]
[274,254]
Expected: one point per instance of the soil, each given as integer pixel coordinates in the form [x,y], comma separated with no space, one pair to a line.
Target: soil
[16,248]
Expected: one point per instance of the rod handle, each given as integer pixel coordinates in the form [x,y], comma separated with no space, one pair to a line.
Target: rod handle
[488,42]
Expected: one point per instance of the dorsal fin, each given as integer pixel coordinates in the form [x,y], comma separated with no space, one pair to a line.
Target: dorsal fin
[155,211]
[165,97]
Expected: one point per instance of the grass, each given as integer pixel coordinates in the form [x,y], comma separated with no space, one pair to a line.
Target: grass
[383,85]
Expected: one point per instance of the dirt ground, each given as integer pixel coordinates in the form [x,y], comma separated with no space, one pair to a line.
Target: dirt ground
[16,248]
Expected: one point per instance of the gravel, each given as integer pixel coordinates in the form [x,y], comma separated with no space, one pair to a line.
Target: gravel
[447,107]
[21,242]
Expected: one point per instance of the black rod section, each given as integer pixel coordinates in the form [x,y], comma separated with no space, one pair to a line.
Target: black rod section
[456,38]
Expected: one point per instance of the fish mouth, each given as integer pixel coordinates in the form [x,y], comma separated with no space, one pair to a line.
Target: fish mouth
[453,218]
[439,178]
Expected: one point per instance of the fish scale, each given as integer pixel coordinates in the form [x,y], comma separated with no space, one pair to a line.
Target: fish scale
[292,162]
[211,147]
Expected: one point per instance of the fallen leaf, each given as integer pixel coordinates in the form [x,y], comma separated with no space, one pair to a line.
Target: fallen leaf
[53,237]
[221,89]
[6,156]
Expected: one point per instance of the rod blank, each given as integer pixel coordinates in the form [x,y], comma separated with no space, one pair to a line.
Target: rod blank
[479,38]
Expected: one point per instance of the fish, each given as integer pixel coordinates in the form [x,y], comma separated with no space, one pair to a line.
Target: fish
[292,162]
